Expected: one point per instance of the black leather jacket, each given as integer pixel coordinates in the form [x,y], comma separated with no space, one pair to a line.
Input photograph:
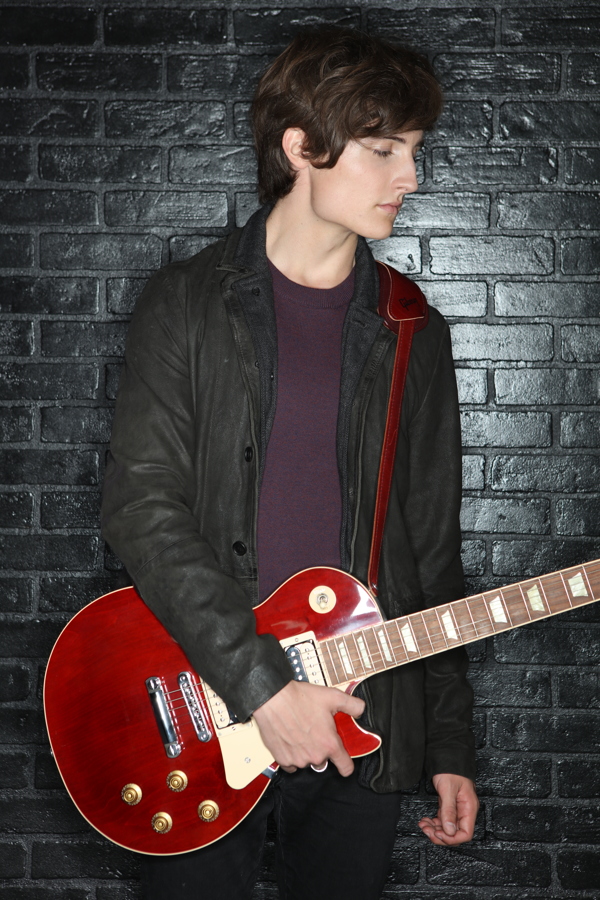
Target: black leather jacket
[194,411]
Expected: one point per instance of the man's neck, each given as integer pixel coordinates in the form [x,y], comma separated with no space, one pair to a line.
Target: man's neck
[307,249]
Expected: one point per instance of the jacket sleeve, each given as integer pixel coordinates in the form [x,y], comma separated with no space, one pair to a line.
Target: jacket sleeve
[434,503]
[147,517]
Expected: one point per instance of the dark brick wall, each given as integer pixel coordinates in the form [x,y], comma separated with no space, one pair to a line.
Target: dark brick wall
[123,144]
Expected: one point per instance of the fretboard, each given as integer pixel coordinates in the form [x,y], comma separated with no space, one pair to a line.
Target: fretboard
[365,652]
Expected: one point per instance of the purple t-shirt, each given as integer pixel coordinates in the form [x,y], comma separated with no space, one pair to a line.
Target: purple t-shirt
[300,508]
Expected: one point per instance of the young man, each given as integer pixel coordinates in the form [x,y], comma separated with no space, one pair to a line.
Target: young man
[246,447]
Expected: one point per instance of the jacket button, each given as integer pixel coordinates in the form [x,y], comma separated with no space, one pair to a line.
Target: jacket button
[256,291]
[248,454]
[239,548]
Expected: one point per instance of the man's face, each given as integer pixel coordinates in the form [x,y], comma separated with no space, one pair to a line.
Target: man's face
[363,192]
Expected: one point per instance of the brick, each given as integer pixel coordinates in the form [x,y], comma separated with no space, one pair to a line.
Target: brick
[494,165]
[472,385]
[16,424]
[464,120]
[487,866]
[203,209]
[472,472]
[234,77]
[246,203]
[511,776]
[473,557]
[578,869]
[60,509]
[402,252]
[42,893]
[277,27]
[549,644]
[16,338]
[498,73]
[430,28]
[580,256]
[83,338]
[547,121]
[113,374]
[126,892]
[47,776]
[14,71]
[489,514]
[578,778]
[186,245]
[100,251]
[580,429]
[48,381]
[49,552]
[58,162]
[15,162]
[445,211]
[13,857]
[558,209]
[122,294]
[536,823]
[65,594]
[25,207]
[15,683]
[549,26]
[48,118]
[15,595]
[499,429]
[98,72]
[519,342]
[59,25]
[209,166]
[546,732]
[16,510]
[490,254]
[534,387]
[578,517]
[516,298]
[581,343]
[404,866]
[582,165]
[16,251]
[161,27]
[21,726]
[531,558]
[578,690]
[456,298]
[62,296]
[48,467]
[14,770]
[159,119]
[81,859]
[241,122]
[583,71]
[510,687]
[56,815]
[536,472]
[76,424]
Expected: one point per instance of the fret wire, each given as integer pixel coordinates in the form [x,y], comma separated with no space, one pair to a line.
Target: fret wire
[434,614]
[525,602]
[587,580]
[365,643]
[384,661]
[358,656]
[427,635]
[505,605]
[468,605]
[412,631]
[333,662]
[387,626]
[562,578]
[402,645]
[376,666]
[487,612]
[539,580]
[437,615]
[456,625]
[344,639]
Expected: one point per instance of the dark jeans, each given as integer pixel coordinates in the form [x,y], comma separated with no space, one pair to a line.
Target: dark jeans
[335,840]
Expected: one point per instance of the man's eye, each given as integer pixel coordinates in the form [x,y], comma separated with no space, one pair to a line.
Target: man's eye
[382,153]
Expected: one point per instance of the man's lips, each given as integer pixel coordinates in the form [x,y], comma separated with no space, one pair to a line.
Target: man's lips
[390,207]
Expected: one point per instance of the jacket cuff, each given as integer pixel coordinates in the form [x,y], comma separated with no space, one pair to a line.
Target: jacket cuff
[459,761]
[261,683]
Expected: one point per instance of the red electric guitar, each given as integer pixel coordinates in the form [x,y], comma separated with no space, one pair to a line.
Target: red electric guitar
[151,755]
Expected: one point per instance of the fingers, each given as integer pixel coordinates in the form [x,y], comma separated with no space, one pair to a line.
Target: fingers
[346,703]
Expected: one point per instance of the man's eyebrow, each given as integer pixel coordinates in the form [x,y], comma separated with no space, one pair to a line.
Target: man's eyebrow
[400,140]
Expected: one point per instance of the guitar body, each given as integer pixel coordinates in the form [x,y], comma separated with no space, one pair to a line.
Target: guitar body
[102,716]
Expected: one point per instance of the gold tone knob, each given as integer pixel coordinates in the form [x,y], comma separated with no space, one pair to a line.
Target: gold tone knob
[162,822]
[177,780]
[208,810]
[131,794]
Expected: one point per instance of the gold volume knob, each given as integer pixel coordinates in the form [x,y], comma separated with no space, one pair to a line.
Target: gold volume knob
[177,780]
[162,822]
[208,810]
[131,794]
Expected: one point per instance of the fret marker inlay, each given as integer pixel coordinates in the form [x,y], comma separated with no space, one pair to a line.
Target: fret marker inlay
[577,585]
[497,610]
[408,639]
[449,626]
[345,658]
[535,599]
[363,652]
[384,645]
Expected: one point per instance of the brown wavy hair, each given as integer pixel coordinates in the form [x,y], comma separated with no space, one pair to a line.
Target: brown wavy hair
[337,84]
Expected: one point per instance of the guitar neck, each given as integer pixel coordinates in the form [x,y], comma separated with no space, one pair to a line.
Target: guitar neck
[365,652]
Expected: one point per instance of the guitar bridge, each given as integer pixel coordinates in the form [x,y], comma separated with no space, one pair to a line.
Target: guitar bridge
[164,719]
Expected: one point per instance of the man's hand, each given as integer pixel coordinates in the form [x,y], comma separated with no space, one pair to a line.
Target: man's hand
[457,810]
[297,726]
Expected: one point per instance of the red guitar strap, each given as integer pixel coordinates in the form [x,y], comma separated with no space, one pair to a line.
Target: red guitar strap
[403,307]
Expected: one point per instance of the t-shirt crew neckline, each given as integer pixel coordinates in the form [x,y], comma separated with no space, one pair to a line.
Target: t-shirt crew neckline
[313,298]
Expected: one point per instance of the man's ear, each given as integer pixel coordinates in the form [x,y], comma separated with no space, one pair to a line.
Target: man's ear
[293,142]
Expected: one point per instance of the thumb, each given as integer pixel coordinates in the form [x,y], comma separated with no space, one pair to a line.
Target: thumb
[448,817]
[353,706]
